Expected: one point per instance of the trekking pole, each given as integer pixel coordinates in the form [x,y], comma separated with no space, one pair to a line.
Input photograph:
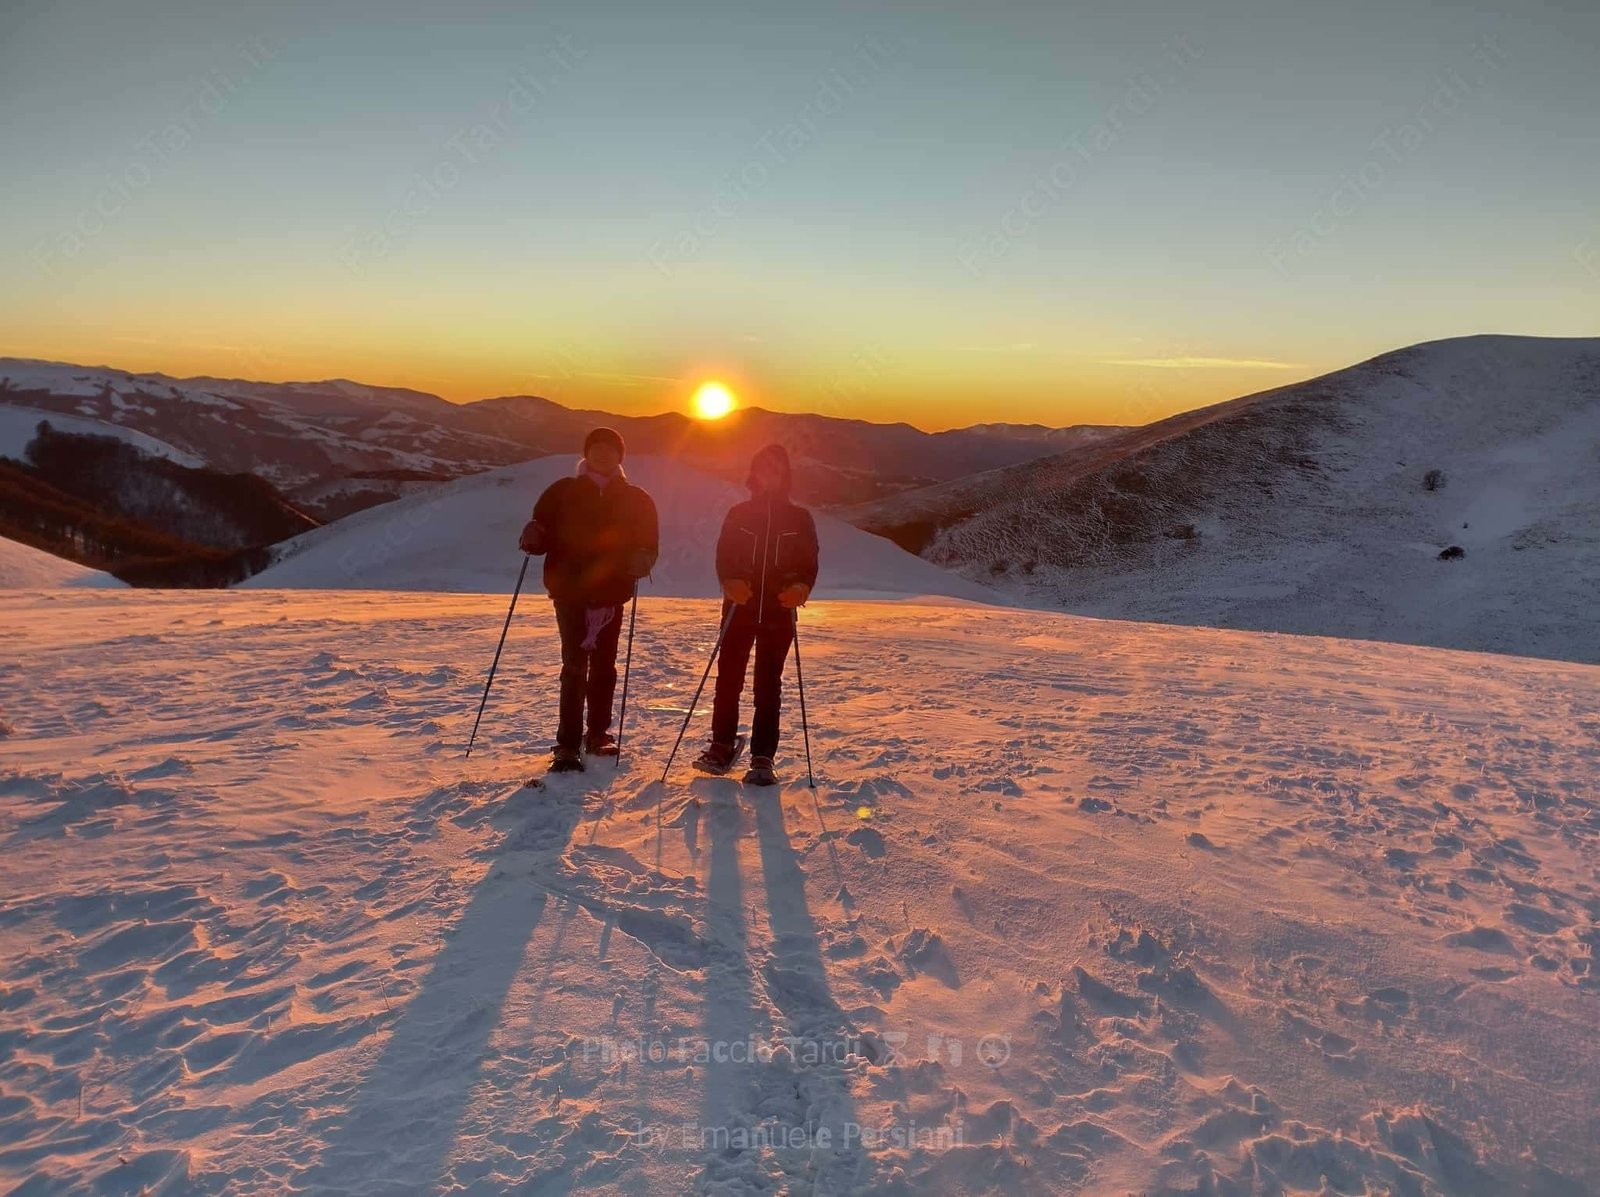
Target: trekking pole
[627,666]
[523,573]
[801,675]
[693,702]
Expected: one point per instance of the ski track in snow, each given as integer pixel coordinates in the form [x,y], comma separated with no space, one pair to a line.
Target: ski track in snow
[1237,913]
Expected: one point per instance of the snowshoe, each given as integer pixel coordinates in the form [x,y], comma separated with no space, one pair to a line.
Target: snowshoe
[600,744]
[566,760]
[760,772]
[717,758]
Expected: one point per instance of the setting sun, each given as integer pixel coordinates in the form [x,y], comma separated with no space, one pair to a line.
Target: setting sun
[712,401]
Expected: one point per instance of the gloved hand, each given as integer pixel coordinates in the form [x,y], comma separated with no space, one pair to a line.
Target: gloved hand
[534,540]
[794,595]
[640,563]
[737,590]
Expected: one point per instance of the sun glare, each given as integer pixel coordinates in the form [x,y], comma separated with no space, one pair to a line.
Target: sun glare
[712,401]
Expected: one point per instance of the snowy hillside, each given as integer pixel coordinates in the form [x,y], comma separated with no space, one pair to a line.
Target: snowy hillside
[1078,907]
[462,536]
[23,567]
[1060,438]
[19,426]
[295,435]
[1333,506]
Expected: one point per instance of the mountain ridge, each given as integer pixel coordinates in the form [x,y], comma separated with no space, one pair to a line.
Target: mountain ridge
[337,445]
[1323,506]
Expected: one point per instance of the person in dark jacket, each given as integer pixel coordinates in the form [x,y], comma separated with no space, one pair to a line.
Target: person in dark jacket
[599,535]
[767,564]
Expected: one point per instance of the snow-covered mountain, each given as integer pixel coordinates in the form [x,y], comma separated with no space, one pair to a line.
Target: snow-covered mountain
[837,459]
[1078,907]
[301,437]
[1059,438]
[19,426]
[1444,494]
[336,446]
[23,567]
[462,536]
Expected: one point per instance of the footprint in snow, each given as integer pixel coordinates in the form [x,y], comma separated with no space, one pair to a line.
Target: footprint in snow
[1535,919]
[869,840]
[1483,939]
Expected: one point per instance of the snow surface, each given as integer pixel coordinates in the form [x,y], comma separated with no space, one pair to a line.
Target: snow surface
[1078,907]
[19,426]
[462,536]
[23,567]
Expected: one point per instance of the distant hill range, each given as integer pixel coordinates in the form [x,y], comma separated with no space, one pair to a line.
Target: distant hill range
[172,481]
[337,446]
[1444,494]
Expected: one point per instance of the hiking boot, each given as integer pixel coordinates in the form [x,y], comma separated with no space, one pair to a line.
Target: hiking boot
[566,760]
[718,758]
[760,772]
[600,744]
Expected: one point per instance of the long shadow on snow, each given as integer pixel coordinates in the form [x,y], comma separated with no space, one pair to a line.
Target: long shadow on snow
[818,1031]
[731,1022]
[400,1126]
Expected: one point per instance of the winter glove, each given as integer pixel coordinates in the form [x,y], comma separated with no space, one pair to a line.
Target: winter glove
[640,563]
[535,540]
[794,595]
[737,591]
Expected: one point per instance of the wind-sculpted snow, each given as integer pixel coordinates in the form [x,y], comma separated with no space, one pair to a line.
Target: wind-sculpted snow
[1076,907]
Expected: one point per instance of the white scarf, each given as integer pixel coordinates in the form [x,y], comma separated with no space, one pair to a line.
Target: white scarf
[599,479]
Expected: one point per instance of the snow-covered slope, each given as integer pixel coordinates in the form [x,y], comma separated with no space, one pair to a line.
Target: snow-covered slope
[1078,907]
[1308,509]
[19,425]
[23,567]
[462,536]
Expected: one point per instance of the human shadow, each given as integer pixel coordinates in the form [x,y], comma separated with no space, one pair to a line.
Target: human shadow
[731,1026]
[400,1124]
[819,1033]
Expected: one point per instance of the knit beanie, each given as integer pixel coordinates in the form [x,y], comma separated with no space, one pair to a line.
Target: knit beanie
[606,436]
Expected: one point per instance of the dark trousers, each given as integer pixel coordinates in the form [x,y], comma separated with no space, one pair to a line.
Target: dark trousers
[586,676]
[771,640]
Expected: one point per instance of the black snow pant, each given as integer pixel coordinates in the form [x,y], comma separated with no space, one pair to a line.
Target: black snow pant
[587,676]
[771,639]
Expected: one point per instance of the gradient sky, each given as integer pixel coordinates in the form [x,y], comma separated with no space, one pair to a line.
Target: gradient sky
[925,211]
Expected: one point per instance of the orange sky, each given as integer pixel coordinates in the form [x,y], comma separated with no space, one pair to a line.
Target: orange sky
[997,383]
